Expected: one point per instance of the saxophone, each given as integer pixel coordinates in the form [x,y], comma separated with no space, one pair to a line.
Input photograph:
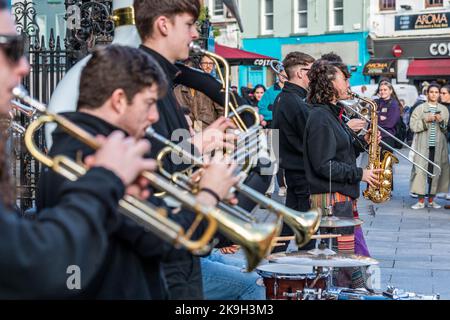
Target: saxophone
[382,192]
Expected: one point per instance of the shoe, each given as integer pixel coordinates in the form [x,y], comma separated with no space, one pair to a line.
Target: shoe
[447,197]
[434,205]
[282,192]
[418,206]
[413,195]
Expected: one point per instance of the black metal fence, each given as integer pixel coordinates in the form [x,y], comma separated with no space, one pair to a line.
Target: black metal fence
[49,61]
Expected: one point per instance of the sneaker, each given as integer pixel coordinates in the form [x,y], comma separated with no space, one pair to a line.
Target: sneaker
[447,197]
[282,192]
[413,195]
[418,206]
[434,205]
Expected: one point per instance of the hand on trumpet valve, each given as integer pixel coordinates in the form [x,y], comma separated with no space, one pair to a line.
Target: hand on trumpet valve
[219,178]
[368,136]
[371,176]
[215,137]
[123,156]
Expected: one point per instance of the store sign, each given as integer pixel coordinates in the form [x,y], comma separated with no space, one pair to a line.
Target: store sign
[440,49]
[262,62]
[379,67]
[423,21]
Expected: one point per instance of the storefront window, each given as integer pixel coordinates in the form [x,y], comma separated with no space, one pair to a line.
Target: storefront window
[387,5]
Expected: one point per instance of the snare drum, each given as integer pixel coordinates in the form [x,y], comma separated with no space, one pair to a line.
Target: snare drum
[287,282]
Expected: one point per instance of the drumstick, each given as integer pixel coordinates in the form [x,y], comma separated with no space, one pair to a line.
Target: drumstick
[315,237]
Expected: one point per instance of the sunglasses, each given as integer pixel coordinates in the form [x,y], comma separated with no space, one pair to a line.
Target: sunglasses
[13,47]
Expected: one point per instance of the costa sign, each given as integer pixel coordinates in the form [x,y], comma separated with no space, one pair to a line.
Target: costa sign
[440,49]
[262,62]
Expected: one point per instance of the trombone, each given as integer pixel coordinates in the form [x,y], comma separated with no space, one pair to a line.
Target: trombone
[364,116]
[255,240]
[303,224]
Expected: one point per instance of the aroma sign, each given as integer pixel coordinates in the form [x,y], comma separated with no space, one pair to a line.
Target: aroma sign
[422,21]
[431,20]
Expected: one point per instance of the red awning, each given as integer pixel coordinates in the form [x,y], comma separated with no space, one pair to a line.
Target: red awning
[429,67]
[236,56]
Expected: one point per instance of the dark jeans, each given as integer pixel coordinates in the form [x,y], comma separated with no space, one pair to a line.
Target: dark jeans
[184,278]
[280,178]
[298,200]
[431,170]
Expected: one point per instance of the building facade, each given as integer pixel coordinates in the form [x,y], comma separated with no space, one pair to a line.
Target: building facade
[410,40]
[316,27]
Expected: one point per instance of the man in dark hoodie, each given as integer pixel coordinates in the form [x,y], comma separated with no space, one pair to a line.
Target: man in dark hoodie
[127,86]
[36,255]
[290,113]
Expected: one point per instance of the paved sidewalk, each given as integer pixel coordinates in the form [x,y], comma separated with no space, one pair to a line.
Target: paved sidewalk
[413,246]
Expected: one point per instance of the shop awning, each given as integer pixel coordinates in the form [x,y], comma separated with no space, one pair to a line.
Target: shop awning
[380,67]
[429,67]
[236,56]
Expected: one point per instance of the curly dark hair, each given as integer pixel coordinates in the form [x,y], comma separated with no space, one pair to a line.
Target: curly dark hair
[332,57]
[321,76]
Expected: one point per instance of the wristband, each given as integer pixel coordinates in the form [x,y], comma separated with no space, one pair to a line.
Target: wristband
[211,192]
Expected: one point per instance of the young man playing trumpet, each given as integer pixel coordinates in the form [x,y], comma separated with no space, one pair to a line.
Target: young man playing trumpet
[114,96]
[75,230]
[167,28]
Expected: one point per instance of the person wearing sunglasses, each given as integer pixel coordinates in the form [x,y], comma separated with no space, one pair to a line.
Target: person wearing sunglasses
[37,254]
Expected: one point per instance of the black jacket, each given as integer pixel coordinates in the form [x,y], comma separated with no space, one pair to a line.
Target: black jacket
[36,254]
[132,266]
[290,113]
[327,139]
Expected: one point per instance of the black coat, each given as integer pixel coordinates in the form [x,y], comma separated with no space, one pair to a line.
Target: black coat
[327,139]
[74,231]
[132,267]
[290,113]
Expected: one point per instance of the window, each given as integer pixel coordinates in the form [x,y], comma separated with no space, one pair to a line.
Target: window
[336,15]
[434,3]
[301,19]
[386,5]
[267,16]
[218,8]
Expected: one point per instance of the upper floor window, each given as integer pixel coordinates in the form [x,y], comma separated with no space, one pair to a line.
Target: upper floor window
[434,3]
[336,15]
[301,12]
[218,8]
[267,16]
[386,5]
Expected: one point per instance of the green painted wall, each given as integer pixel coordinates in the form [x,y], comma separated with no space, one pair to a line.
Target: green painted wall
[318,17]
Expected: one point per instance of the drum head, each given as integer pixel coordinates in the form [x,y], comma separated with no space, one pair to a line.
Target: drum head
[285,271]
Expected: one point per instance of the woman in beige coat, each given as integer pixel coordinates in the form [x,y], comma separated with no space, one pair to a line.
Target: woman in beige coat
[429,124]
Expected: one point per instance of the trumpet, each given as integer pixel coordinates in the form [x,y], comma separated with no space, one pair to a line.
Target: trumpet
[361,113]
[256,241]
[303,224]
[232,112]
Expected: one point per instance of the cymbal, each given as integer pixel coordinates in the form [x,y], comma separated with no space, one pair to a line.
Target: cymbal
[336,222]
[335,261]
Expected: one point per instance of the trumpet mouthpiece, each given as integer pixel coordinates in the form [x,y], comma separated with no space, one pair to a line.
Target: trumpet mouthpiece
[195,48]
[20,92]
